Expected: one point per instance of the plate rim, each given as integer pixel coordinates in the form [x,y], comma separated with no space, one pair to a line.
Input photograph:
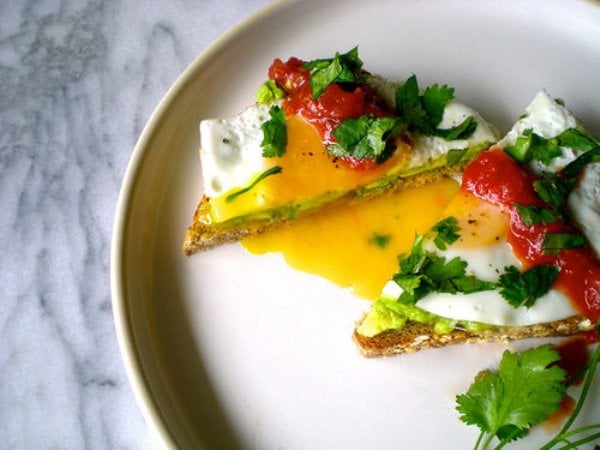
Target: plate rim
[121,315]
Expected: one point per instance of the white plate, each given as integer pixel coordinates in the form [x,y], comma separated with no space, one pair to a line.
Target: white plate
[230,350]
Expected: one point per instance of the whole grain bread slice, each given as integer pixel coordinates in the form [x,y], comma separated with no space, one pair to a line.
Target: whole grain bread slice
[417,336]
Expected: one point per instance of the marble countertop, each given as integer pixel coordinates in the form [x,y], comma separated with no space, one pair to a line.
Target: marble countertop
[79,81]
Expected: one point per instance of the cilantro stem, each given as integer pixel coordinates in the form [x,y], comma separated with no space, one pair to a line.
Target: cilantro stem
[272,171]
[562,434]
[576,444]
[581,430]
[479,439]
[488,441]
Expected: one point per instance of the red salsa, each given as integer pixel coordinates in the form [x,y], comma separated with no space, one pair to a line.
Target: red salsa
[496,177]
[331,108]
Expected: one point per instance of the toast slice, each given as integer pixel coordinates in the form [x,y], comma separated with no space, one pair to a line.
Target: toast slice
[417,336]
[305,146]
[486,294]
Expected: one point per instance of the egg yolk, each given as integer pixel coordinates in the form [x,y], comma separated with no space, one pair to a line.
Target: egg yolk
[307,172]
[357,245]
[481,223]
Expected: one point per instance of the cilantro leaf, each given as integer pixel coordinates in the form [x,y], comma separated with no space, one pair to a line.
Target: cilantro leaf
[423,113]
[269,92]
[421,273]
[380,240]
[274,133]
[574,167]
[555,242]
[531,146]
[409,105]
[553,189]
[534,215]
[339,69]
[365,137]
[522,393]
[577,140]
[267,173]
[434,101]
[447,232]
[468,284]
[462,131]
[523,289]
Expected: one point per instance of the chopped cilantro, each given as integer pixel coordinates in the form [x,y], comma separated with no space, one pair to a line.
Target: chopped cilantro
[523,289]
[423,113]
[461,131]
[523,392]
[343,68]
[365,137]
[380,240]
[269,92]
[534,215]
[555,242]
[531,146]
[447,232]
[423,272]
[275,133]
[267,173]
[434,101]
[577,140]
[574,167]
[553,189]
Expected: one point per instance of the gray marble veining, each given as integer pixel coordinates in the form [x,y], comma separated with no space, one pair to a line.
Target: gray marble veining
[79,80]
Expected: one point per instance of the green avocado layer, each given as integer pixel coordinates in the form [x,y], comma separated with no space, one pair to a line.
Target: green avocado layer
[389,314]
[453,161]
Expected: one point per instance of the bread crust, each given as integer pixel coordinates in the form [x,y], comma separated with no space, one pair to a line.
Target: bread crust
[417,336]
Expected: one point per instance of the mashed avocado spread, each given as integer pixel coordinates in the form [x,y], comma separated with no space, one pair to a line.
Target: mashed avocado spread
[389,314]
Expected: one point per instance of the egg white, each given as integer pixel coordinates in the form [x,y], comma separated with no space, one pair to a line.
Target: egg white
[547,118]
[231,154]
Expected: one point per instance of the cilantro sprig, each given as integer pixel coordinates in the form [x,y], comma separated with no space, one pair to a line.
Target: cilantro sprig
[344,68]
[365,137]
[555,242]
[534,215]
[447,232]
[274,133]
[423,113]
[532,146]
[505,404]
[523,392]
[267,173]
[523,289]
[554,189]
[422,272]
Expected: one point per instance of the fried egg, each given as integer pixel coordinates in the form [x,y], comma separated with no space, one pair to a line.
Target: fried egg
[231,156]
[483,227]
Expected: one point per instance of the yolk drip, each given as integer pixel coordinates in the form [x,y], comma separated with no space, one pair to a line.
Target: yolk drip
[308,171]
[357,245]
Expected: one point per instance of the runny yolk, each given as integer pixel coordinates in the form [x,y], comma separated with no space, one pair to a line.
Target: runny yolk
[481,224]
[357,245]
[307,171]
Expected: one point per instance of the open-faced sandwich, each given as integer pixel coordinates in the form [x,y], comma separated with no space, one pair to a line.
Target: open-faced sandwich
[513,247]
[325,132]
[514,255]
